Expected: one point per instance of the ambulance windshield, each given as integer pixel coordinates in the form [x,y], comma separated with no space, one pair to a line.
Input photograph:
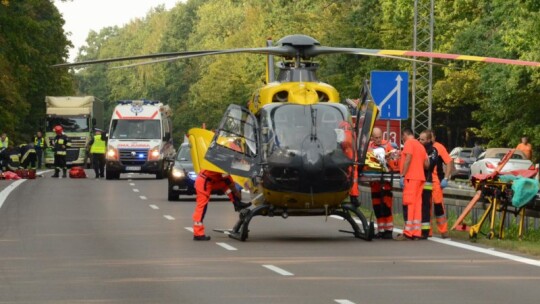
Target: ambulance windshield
[135,129]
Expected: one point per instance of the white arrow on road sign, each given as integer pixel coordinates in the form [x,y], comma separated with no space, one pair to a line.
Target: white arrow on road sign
[397,91]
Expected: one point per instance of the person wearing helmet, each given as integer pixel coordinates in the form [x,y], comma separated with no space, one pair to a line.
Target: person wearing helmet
[60,143]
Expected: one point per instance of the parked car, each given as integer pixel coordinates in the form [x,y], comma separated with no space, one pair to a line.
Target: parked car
[462,162]
[488,161]
[182,176]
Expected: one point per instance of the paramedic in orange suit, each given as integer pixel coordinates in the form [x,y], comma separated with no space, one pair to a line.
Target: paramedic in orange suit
[414,162]
[348,150]
[381,191]
[208,181]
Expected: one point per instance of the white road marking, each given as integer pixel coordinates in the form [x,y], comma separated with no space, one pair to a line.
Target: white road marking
[129,179]
[190,229]
[4,194]
[143,197]
[170,218]
[488,251]
[135,190]
[278,270]
[132,184]
[343,301]
[154,207]
[226,246]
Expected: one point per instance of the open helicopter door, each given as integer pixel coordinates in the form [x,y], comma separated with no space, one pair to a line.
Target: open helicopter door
[235,146]
[365,120]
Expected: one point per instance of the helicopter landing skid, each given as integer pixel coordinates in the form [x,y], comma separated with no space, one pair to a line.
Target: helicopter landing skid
[367,232]
[240,230]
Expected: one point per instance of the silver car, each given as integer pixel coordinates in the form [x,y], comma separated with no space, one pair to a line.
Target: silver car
[488,161]
[462,162]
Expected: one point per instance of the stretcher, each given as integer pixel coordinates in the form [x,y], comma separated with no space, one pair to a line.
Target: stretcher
[378,176]
[498,190]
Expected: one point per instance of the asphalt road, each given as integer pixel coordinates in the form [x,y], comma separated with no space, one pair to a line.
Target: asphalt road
[98,241]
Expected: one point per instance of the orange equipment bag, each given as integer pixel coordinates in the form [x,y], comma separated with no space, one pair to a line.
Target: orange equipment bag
[77,172]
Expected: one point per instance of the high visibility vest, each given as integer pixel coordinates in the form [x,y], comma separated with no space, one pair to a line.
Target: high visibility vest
[98,147]
[5,143]
[39,142]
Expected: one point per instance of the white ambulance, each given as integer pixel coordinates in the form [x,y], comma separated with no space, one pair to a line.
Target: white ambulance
[140,139]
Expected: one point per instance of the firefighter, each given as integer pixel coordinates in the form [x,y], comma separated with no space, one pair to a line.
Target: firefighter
[208,181]
[381,191]
[4,141]
[98,147]
[11,159]
[28,156]
[60,143]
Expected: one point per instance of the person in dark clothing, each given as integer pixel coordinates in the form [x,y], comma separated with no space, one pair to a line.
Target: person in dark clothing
[10,159]
[476,150]
[60,143]
[28,156]
[98,148]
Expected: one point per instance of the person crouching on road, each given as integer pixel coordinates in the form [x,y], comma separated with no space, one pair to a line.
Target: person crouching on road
[60,143]
[98,146]
[28,156]
[208,181]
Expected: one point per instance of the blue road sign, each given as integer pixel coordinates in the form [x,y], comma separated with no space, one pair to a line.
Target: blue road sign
[390,91]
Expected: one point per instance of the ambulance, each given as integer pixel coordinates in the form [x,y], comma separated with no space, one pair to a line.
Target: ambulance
[140,139]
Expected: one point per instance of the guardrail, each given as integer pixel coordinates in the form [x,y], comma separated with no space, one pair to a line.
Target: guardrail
[456,198]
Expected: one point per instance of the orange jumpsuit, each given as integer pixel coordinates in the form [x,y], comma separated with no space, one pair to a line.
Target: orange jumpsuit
[381,196]
[348,150]
[414,181]
[437,192]
[207,182]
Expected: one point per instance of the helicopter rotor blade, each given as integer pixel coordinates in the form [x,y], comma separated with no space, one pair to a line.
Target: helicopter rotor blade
[398,53]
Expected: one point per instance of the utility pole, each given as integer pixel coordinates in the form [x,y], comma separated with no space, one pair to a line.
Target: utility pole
[422,72]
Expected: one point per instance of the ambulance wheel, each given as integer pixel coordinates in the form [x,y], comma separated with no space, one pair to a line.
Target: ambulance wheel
[112,175]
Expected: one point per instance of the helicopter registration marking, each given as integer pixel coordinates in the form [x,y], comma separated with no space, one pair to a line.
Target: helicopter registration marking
[278,270]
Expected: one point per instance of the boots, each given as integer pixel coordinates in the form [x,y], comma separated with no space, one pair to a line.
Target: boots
[201,238]
[238,205]
[64,173]
[56,171]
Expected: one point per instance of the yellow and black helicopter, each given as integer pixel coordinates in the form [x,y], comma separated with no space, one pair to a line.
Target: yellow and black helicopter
[293,147]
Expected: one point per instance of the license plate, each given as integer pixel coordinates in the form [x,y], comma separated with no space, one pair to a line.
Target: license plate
[133,168]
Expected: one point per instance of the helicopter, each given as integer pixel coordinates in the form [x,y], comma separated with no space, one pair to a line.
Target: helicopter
[294,147]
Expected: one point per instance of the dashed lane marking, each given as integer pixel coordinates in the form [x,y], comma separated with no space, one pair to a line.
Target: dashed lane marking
[282,272]
[226,246]
[343,301]
[170,218]
[143,197]
[135,190]
[132,184]
[154,207]
[190,229]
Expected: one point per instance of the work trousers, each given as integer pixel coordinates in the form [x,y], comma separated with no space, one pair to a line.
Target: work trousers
[412,208]
[438,208]
[381,200]
[204,187]
[98,160]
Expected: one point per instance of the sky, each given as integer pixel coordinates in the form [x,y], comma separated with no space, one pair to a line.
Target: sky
[81,16]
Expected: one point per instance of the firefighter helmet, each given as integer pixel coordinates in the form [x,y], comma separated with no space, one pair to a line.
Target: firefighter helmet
[58,129]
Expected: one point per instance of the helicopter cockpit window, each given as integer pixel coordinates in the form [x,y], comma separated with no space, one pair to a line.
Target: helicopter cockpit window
[238,133]
[294,126]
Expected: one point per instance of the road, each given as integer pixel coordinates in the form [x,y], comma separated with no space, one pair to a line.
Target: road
[98,241]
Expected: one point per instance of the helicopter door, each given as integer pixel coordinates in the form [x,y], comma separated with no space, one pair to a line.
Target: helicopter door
[234,147]
[365,120]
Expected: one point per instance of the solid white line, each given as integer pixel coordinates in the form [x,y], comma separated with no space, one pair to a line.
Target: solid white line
[135,190]
[490,251]
[190,229]
[154,207]
[4,194]
[143,197]
[170,218]
[278,270]
[343,301]
[132,184]
[226,246]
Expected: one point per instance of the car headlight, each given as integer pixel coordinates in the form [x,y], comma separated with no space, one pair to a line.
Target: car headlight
[178,173]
